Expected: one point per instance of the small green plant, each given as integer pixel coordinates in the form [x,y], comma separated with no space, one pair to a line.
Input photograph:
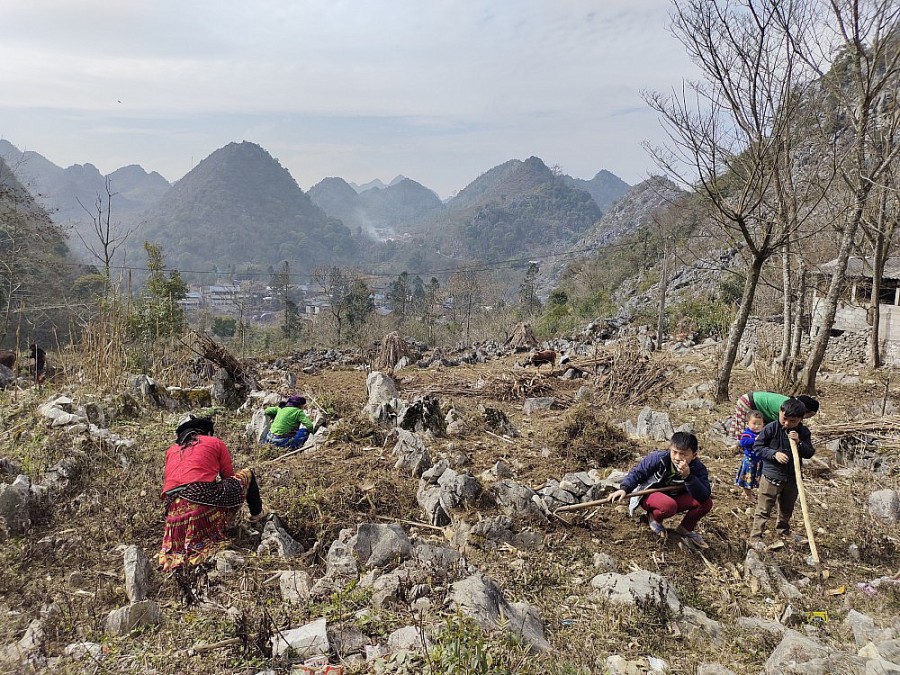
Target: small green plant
[463,648]
[709,318]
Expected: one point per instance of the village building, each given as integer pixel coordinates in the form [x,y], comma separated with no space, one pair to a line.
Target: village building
[853,313]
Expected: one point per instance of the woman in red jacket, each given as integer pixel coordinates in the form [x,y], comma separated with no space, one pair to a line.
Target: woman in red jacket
[202,493]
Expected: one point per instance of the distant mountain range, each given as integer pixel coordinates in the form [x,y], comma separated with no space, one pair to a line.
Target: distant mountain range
[65,193]
[38,273]
[381,211]
[239,207]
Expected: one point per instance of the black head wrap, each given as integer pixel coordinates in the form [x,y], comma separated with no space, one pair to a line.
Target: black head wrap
[192,426]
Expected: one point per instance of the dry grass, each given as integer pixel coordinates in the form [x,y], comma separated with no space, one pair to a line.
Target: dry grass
[351,480]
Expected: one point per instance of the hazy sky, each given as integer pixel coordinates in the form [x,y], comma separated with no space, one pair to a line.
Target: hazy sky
[437,90]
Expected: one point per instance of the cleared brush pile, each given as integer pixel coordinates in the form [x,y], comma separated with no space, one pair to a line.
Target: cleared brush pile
[632,377]
[504,388]
[589,442]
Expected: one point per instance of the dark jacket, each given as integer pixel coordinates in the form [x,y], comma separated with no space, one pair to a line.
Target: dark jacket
[774,438]
[656,470]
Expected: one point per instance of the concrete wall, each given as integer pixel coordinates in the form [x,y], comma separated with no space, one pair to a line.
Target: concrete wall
[852,317]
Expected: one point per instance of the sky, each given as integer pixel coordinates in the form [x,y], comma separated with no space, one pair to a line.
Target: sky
[439,91]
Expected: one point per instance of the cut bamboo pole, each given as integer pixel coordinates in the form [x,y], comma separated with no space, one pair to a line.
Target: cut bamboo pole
[606,500]
[801,492]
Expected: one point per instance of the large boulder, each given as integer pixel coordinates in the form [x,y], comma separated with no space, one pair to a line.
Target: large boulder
[412,455]
[15,514]
[482,599]
[636,587]
[379,545]
[885,505]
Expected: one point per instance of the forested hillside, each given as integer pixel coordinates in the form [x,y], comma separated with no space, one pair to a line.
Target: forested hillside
[37,272]
[240,206]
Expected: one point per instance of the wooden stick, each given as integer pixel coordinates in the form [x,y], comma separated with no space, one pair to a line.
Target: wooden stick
[306,446]
[801,491]
[606,500]
[199,649]
[505,440]
[412,523]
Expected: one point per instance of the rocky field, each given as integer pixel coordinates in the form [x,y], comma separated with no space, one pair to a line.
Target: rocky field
[417,533]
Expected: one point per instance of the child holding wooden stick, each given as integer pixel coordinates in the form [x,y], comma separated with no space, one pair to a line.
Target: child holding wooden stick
[677,466]
[778,486]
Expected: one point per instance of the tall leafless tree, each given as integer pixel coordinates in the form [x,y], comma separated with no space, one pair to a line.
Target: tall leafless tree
[730,133]
[863,36]
[108,238]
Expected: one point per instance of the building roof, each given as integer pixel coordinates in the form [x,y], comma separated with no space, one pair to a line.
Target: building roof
[862,267]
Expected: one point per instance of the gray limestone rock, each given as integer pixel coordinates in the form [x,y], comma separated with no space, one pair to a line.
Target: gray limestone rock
[483,600]
[15,507]
[294,586]
[340,561]
[136,615]
[532,405]
[382,391]
[412,455]
[438,559]
[794,648]
[429,498]
[257,427]
[276,541]
[137,572]
[518,501]
[379,545]
[407,637]
[307,640]
[638,586]
[755,569]
[654,425]
[713,669]
[885,505]
[347,639]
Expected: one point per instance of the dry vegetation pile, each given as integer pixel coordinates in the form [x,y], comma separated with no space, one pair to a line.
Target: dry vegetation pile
[72,556]
[630,377]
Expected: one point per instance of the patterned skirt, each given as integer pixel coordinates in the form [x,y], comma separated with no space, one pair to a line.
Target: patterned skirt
[291,441]
[196,518]
[738,421]
[749,472]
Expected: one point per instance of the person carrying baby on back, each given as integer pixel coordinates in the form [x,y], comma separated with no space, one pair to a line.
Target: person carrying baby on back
[751,465]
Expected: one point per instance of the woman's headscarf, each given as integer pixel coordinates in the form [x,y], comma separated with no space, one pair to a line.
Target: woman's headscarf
[192,426]
[295,402]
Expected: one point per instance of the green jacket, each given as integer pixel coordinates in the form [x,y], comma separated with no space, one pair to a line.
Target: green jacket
[288,420]
[768,404]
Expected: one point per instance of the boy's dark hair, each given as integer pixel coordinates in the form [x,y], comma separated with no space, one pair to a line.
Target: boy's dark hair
[793,407]
[684,441]
[755,415]
[811,404]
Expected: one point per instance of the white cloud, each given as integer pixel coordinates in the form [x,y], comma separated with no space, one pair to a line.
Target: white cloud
[465,82]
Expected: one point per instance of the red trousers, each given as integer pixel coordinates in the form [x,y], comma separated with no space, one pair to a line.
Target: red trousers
[661,506]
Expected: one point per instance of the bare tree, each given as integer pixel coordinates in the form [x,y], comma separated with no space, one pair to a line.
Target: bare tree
[864,75]
[107,239]
[730,133]
[466,291]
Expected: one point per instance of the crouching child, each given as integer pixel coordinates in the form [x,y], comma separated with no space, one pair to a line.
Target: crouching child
[678,468]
